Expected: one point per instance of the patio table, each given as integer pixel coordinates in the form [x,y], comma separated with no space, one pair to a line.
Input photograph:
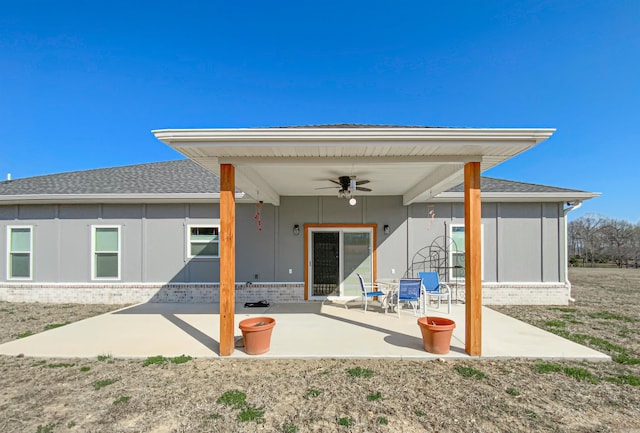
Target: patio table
[388,286]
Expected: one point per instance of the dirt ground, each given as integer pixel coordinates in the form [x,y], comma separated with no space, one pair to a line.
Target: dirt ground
[223,395]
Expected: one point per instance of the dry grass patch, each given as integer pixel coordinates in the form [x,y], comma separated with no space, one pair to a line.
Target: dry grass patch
[333,395]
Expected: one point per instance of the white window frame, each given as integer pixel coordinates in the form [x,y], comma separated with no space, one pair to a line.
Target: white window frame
[9,252]
[93,252]
[188,243]
[452,276]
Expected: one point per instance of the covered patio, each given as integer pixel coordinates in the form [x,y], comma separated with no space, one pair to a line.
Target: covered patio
[304,331]
[415,163]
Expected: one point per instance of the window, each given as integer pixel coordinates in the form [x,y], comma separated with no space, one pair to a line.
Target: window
[457,253]
[19,256]
[203,241]
[106,252]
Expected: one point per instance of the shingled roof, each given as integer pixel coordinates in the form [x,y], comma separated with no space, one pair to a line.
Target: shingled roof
[183,177]
[490,184]
[173,177]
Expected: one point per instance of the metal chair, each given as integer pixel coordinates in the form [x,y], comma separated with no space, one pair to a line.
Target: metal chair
[409,292]
[431,286]
[370,293]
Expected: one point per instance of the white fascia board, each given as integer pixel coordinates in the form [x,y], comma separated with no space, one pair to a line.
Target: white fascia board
[301,161]
[267,136]
[114,198]
[448,197]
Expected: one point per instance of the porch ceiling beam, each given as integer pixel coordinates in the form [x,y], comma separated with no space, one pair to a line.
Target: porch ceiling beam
[347,160]
[254,185]
[440,179]
[246,179]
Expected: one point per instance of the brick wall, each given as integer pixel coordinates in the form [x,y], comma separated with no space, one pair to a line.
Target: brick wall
[136,293]
[492,293]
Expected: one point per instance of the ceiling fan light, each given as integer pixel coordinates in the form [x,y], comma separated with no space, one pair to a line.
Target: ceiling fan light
[352,201]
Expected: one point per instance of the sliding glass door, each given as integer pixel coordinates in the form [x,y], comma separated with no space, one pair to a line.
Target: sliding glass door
[336,256]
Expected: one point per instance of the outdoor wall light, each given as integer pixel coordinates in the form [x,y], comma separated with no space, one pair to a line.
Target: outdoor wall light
[386,229]
[296,229]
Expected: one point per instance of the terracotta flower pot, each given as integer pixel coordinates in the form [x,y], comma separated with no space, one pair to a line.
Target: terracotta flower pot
[256,332]
[436,334]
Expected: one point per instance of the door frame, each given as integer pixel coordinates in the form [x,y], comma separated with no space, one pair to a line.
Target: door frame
[307,240]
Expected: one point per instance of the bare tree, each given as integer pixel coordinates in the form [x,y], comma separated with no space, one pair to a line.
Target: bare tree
[619,237]
[596,238]
[588,237]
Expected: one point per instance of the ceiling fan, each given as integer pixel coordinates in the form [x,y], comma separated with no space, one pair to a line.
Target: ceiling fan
[348,185]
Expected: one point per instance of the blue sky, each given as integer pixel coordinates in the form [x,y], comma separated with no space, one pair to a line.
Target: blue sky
[82,84]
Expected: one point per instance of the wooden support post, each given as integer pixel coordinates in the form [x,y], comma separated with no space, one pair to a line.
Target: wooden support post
[473,259]
[227,258]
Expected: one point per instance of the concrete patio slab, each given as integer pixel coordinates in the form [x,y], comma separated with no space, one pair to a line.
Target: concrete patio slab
[309,330]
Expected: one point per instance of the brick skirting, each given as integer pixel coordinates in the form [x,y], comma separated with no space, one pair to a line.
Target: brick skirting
[58,293]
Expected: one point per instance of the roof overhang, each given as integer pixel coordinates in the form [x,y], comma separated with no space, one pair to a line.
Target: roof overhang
[115,198]
[519,197]
[415,163]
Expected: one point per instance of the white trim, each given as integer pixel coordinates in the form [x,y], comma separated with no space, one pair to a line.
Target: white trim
[93,252]
[517,197]
[9,276]
[451,226]
[116,198]
[312,135]
[188,238]
[340,230]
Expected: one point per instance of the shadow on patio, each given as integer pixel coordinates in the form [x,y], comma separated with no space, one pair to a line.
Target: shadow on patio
[309,330]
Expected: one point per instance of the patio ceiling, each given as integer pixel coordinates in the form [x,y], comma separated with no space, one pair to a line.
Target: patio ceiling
[415,163]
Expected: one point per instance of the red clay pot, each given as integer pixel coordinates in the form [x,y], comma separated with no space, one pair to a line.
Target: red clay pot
[256,332]
[436,334]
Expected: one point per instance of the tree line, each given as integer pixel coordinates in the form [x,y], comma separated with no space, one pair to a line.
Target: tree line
[595,238]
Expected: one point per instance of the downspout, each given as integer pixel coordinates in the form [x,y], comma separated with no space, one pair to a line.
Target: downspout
[573,205]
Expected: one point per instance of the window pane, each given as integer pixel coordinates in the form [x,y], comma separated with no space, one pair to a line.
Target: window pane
[210,249]
[458,260]
[204,233]
[106,239]
[20,240]
[356,260]
[457,236]
[106,265]
[20,266]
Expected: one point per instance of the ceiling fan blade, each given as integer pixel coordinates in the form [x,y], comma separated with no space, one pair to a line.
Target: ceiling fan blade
[362,188]
[335,181]
[327,187]
[362,182]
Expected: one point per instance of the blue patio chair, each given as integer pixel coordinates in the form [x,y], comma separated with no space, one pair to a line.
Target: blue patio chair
[432,286]
[370,293]
[409,293]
